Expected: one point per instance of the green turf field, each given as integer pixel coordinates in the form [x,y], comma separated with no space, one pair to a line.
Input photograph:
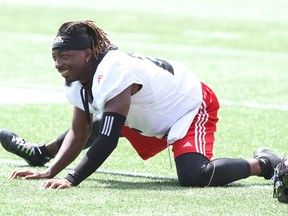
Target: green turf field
[238,47]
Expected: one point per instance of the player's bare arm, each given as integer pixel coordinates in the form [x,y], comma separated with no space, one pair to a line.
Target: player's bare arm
[73,143]
[72,146]
[119,105]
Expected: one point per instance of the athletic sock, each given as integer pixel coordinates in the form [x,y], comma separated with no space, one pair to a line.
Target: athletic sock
[265,166]
[45,151]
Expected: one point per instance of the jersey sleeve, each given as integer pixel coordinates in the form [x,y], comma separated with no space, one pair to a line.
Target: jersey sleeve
[112,77]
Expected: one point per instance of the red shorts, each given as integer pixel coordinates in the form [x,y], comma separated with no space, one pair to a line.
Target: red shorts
[199,138]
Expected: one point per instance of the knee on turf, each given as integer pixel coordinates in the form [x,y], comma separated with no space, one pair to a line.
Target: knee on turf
[192,170]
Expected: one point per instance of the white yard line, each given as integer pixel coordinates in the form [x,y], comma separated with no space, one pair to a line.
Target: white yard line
[103,171]
[259,10]
[30,96]
[136,40]
[38,96]
[254,105]
[142,175]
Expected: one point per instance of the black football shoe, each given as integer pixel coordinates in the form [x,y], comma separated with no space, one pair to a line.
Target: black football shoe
[268,161]
[30,152]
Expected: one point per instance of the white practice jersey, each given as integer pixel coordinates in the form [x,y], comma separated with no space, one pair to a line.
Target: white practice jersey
[169,99]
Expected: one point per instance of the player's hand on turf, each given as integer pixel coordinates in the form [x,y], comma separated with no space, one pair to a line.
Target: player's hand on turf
[56,184]
[28,174]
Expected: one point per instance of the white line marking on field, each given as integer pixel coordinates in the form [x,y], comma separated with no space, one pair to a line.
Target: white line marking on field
[143,175]
[257,10]
[136,40]
[23,36]
[30,96]
[254,105]
[212,34]
[38,96]
[110,172]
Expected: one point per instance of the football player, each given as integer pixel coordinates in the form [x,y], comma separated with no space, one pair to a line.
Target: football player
[152,102]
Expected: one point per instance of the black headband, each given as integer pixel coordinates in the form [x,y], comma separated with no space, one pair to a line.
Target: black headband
[72,42]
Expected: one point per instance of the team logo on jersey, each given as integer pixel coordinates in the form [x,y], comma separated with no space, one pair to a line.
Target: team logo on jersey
[99,78]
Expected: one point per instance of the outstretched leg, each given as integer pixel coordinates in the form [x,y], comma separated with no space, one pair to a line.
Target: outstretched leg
[196,170]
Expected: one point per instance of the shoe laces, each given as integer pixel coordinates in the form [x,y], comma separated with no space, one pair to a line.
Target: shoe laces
[25,146]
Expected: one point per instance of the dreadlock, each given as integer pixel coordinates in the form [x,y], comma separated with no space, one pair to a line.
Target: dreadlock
[100,41]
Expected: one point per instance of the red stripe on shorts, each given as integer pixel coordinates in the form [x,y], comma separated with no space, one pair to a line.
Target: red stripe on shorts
[199,138]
